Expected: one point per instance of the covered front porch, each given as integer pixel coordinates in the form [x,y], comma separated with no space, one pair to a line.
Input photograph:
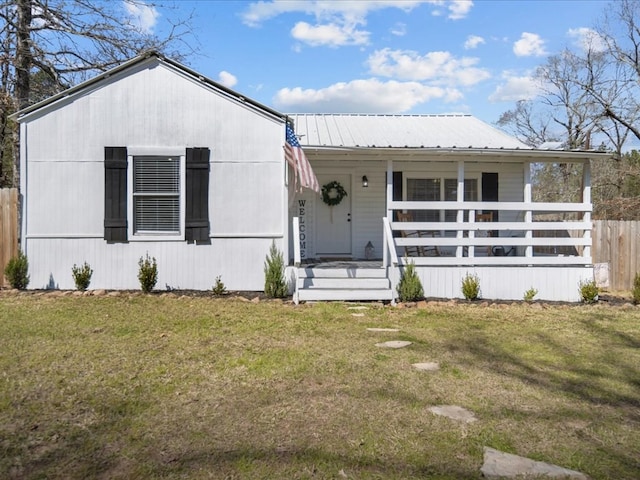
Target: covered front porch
[512,245]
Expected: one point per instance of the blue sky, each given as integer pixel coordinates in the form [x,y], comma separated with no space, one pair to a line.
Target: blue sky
[434,56]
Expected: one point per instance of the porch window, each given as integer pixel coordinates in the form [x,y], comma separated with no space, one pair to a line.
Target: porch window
[436,189]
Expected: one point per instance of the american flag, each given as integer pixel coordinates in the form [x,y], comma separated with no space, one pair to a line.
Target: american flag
[298,161]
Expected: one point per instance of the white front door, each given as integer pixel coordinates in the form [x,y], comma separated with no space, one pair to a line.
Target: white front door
[333,223]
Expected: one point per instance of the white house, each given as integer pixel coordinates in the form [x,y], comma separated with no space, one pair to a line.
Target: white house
[152,157]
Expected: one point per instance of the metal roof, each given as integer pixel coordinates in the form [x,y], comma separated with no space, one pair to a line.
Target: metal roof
[400,131]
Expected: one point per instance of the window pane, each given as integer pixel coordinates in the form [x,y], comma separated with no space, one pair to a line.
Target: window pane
[156,174]
[424,190]
[157,214]
[450,195]
[156,194]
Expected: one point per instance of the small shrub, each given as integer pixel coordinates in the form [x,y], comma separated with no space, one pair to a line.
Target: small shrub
[635,291]
[471,287]
[588,291]
[410,288]
[530,294]
[219,287]
[147,273]
[275,285]
[17,271]
[82,276]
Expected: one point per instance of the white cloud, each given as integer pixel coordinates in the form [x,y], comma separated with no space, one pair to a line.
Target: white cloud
[345,11]
[459,9]
[530,44]
[362,96]
[473,41]
[515,88]
[142,16]
[332,35]
[227,79]
[399,29]
[587,39]
[438,67]
[258,12]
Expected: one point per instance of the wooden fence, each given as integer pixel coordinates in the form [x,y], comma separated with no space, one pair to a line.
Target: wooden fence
[8,228]
[618,244]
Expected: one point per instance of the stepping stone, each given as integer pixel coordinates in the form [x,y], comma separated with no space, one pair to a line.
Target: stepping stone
[454,413]
[499,464]
[427,366]
[393,344]
[374,329]
[357,314]
[358,307]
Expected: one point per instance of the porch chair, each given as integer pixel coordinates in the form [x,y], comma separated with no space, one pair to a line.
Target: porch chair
[485,217]
[417,250]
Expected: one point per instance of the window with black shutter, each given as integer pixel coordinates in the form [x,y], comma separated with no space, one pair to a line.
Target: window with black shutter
[164,204]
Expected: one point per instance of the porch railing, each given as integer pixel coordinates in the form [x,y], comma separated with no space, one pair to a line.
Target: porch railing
[390,257]
[522,241]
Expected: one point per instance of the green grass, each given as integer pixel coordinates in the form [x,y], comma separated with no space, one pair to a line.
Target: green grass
[156,386]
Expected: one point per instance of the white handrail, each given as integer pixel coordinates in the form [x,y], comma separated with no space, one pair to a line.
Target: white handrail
[390,252]
[296,242]
[296,257]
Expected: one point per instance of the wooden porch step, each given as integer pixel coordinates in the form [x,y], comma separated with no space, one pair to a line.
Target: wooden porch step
[330,294]
[343,284]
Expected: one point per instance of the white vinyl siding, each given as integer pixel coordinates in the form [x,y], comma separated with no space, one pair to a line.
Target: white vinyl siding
[156,194]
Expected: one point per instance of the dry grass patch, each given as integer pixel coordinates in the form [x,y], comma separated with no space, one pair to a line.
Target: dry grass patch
[150,386]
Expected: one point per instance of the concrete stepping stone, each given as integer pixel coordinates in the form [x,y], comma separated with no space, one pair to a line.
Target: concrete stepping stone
[427,366]
[358,307]
[454,412]
[499,464]
[393,344]
[375,329]
[357,314]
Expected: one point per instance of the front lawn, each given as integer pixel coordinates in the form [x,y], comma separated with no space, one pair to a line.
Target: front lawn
[151,386]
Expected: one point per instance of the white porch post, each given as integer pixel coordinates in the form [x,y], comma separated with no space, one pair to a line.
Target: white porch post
[460,197]
[385,246]
[528,216]
[586,198]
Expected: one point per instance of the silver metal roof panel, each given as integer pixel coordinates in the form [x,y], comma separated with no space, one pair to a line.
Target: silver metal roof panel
[400,131]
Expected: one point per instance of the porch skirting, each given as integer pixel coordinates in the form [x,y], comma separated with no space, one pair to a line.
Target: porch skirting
[554,283]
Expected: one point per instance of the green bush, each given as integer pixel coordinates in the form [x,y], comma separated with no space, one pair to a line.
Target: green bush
[471,287]
[219,287]
[530,294]
[17,271]
[635,292]
[588,291]
[147,273]
[82,276]
[275,285]
[410,288]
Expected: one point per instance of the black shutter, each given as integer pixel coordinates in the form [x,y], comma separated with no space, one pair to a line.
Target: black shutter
[115,194]
[397,191]
[197,195]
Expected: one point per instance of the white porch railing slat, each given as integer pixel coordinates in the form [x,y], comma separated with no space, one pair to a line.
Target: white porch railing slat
[491,241]
[488,226]
[499,261]
[540,207]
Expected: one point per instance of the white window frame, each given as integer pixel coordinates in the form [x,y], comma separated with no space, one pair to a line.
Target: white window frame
[132,152]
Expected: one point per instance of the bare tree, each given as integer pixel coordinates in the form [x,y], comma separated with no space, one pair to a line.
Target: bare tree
[614,84]
[49,45]
[527,125]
